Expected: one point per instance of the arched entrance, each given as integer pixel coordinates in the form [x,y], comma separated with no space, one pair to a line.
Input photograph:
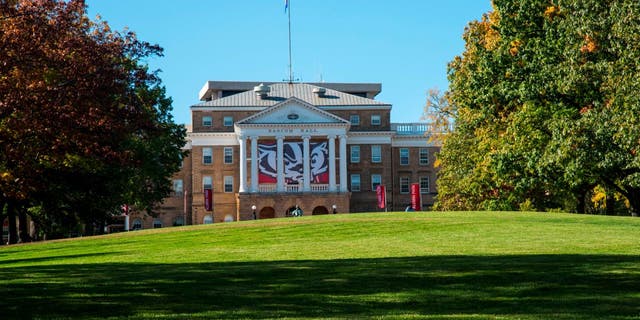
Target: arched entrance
[291,212]
[320,210]
[267,213]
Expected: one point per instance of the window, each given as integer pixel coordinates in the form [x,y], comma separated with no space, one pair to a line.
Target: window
[228,155]
[375,120]
[404,156]
[207,155]
[376,154]
[228,121]
[179,221]
[177,187]
[228,184]
[404,184]
[137,224]
[208,219]
[376,180]
[355,182]
[355,154]
[207,183]
[207,121]
[354,119]
[157,223]
[424,184]
[424,156]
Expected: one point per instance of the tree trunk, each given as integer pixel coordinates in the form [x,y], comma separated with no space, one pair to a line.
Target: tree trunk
[1,221]
[23,225]
[634,201]
[13,230]
[582,203]
[610,203]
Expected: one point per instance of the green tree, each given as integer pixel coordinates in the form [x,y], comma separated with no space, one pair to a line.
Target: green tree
[84,125]
[546,106]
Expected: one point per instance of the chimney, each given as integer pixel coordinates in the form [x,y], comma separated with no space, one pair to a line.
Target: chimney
[319,91]
[262,91]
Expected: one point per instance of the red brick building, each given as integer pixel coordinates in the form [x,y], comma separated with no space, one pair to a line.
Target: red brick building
[262,149]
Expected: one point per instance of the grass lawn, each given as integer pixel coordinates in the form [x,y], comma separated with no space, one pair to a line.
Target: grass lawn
[457,265]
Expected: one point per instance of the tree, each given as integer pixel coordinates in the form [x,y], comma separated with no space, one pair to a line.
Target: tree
[84,126]
[547,108]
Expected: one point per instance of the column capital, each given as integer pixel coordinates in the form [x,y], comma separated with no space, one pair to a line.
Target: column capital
[331,136]
[280,137]
[343,136]
[254,137]
[306,137]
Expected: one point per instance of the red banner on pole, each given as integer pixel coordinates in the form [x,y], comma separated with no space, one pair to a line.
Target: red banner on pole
[382,196]
[208,199]
[415,197]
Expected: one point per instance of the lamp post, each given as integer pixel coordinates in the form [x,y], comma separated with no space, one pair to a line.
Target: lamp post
[335,209]
[253,207]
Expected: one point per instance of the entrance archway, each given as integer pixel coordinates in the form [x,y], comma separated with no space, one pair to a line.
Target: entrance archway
[320,210]
[267,213]
[290,211]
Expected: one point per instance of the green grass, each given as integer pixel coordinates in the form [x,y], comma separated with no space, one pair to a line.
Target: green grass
[458,265]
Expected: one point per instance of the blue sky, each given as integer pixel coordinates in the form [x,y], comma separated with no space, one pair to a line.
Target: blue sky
[403,44]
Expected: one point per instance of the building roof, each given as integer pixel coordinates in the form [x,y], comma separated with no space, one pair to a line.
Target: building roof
[280,92]
[215,89]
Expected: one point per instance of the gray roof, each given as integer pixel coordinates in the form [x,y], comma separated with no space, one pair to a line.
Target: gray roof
[283,91]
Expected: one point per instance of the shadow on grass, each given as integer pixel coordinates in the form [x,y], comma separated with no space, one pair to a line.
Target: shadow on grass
[526,287]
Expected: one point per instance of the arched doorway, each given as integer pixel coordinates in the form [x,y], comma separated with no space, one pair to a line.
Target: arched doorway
[291,212]
[320,210]
[267,213]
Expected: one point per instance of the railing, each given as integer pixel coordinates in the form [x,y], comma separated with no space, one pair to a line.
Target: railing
[293,188]
[410,128]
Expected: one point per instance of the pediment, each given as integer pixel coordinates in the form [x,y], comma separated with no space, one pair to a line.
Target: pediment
[292,111]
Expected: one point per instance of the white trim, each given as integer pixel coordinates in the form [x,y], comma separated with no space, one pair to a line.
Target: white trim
[214,139]
[197,108]
[369,138]
[412,142]
[351,108]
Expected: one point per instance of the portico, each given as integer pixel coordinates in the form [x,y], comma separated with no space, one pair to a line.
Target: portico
[292,149]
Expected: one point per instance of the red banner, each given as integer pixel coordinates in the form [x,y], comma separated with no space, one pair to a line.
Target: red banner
[382,196]
[208,199]
[415,197]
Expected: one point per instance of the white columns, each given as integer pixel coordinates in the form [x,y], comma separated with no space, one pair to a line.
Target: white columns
[280,163]
[343,163]
[306,166]
[243,164]
[332,163]
[254,164]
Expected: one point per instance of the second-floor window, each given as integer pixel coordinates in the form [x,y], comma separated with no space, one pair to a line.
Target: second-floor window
[424,156]
[207,121]
[354,119]
[375,120]
[355,154]
[228,121]
[376,154]
[177,187]
[228,155]
[207,155]
[404,156]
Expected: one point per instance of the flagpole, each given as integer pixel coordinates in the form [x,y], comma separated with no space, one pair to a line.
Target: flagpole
[288,6]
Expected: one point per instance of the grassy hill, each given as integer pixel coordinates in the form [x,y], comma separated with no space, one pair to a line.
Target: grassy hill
[458,265]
